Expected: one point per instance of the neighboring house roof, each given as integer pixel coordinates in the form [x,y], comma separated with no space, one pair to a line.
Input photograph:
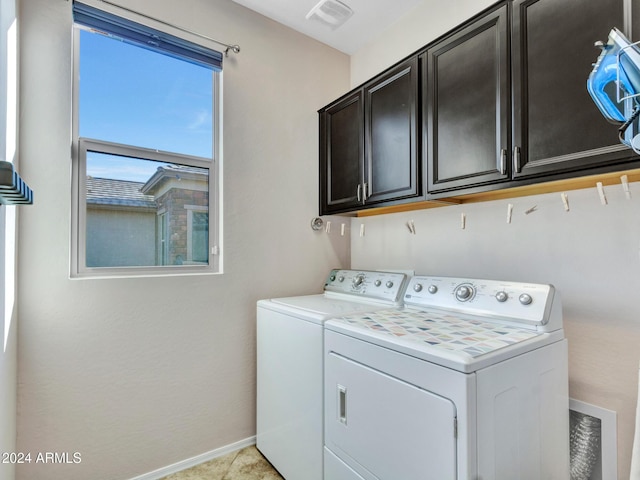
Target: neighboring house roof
[106,191]
[174,172]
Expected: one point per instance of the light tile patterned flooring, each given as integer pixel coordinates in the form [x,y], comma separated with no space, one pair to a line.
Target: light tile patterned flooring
[245,464]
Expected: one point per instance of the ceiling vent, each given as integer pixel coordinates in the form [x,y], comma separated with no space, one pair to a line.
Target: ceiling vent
[332,13]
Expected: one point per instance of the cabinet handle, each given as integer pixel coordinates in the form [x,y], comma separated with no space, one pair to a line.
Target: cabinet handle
[342,404]
[516,159]
[359,192]
[503,161]
[367,192]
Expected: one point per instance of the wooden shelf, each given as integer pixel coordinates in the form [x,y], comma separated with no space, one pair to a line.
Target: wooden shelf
[524,191]
[409,207]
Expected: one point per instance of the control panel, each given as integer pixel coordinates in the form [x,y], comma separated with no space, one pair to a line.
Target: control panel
[387,286]
[525,303]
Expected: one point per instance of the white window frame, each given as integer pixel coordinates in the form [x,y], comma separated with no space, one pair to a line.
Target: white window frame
[80,146]
[191,209]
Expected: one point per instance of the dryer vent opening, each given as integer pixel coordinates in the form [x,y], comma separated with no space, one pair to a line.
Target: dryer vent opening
[584,444]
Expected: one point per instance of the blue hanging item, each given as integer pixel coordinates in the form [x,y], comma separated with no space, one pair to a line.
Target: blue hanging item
[13,190]
[614,85]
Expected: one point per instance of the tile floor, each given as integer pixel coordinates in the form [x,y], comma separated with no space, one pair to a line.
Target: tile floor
[245,464]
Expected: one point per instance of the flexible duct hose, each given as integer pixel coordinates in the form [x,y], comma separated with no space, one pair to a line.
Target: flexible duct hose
[584,444]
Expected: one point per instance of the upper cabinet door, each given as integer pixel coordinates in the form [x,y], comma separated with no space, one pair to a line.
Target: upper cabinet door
[341,154]
[467,105]
[557,127]
[391,134]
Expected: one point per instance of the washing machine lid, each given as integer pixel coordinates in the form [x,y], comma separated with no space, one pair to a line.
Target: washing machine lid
[461,342]
[320,307]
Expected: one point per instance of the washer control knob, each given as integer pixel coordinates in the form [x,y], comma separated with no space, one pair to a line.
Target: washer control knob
[389,284]
[341,278]
[332,278]
[377,283]
[525,299]
[357,280]
[464,293]
[432,289]
[502,296]
[417,287]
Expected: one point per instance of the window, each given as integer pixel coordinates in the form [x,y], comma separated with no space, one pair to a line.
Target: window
[146,166]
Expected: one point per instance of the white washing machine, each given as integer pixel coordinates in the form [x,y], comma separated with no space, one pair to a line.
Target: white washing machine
[468,382]
[290,365]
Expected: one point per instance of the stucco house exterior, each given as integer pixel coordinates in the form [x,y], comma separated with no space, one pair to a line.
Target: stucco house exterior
[163,221]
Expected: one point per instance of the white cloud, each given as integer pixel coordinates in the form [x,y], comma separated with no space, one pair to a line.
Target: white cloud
[202,118]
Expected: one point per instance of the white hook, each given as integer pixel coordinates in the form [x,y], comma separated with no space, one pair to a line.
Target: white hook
[625,186]
[603,197]
[412,227]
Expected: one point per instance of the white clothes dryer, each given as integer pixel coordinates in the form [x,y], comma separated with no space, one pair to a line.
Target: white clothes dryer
[290,333]
[468,382]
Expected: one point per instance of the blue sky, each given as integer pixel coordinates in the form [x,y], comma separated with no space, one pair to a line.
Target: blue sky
[133,96]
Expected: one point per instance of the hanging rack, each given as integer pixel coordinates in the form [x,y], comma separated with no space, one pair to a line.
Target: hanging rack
[233,48]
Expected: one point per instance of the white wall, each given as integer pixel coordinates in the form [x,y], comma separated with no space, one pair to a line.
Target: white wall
[8,139]
[136,374]
[591,254]
[423,24]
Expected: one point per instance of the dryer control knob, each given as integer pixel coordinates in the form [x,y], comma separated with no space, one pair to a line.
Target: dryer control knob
[525,299]
[502,296]
[389,284]
[432,289]
[464,293]
[357,280]
[377,283]
[417,287]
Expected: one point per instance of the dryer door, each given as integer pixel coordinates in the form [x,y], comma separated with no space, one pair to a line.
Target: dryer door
[385,427]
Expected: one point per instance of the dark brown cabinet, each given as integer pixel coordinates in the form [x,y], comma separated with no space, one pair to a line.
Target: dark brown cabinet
[467,106]
[499,102]
[342,154]
[557,127]
[369,144]
[391,134]
[503,117]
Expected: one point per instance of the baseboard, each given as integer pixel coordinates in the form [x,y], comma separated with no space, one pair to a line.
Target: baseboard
[197,460]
